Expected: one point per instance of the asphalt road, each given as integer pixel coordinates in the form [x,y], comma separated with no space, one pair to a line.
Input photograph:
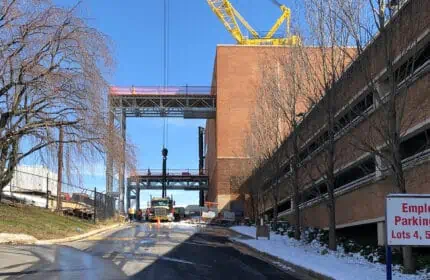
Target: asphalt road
[141,251]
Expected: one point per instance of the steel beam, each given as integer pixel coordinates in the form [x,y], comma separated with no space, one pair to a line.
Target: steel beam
[191,106]
[202,198]
[109,158]
[173,182]
[137,198]
[186,102]
[122,165]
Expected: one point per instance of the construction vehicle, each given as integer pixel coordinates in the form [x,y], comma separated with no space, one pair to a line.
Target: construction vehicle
[161,209]
[231,18]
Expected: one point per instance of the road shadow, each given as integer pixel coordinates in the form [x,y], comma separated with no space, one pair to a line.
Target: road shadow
[209,254]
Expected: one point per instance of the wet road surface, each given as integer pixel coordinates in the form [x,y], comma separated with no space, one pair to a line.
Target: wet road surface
[141,251]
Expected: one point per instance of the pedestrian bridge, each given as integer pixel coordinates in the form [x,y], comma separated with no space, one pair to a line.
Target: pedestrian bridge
[188,102]
[176,179]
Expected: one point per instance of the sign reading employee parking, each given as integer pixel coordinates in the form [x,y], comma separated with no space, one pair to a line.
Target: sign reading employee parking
[408,219]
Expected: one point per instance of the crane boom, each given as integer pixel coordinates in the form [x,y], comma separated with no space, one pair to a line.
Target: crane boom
[286,14]
[230,17]
[224,11]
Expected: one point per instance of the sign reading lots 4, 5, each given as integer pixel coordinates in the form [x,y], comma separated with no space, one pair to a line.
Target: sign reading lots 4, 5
[409,235]
[408,219]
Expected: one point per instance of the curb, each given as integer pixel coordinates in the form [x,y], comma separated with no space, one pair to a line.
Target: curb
[77,237]
[298,269]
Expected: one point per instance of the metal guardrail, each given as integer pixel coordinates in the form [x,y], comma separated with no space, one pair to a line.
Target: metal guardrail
[169,172]
[41,191]
[160,90]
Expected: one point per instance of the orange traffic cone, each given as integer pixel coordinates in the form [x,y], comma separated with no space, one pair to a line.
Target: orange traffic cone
[158,221]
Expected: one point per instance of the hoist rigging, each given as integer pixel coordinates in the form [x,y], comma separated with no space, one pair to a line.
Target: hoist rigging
[231,18]
[164,151]
[166,25]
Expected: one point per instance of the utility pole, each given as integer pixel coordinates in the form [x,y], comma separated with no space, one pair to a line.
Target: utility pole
[95,204]
[47,191]
[60,168]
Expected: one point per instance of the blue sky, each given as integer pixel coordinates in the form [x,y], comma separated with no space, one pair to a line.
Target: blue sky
[136,29]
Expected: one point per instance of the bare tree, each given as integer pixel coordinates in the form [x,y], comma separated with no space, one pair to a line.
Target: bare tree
[387,36]
[270,133]
[51,76]
[329,39]
[288,74]
[248,183]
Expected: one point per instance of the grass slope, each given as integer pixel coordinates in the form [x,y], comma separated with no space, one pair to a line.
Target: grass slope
[40,223]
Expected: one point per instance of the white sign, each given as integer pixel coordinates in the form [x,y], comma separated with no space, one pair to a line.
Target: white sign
[209,215]
[408,219]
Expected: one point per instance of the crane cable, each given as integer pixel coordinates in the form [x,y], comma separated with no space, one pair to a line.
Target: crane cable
[166,25]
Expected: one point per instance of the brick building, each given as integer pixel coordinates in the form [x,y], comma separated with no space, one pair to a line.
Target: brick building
[362,179]
[237,73]
[362,182]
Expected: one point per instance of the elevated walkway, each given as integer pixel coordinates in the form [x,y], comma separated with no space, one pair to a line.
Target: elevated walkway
[175,180]
[189,102]
[187,179]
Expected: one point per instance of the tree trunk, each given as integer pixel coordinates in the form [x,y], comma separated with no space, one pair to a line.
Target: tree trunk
[332,224]
[409,261]
[275,202]
[275,214]
[60,169]
[296,198]
[330,172]
[297,218]
[296,201]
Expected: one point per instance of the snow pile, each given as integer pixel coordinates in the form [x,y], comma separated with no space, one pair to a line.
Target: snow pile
[316,257]
[181,226]
[184,224]
[16,238]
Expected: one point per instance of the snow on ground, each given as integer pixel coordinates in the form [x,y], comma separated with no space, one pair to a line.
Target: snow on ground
[182,226]
[16,238]
[334,264]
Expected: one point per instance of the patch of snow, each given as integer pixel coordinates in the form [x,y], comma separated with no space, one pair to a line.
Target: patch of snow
[16,238]
[176,226]
[184,225]
[283,266]
[316,257]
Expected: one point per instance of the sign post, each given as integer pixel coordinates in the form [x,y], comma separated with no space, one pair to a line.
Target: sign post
[407,220]
[388,261]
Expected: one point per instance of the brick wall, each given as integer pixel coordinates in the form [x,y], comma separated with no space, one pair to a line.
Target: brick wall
[237,71]
[237,74]
[367,202]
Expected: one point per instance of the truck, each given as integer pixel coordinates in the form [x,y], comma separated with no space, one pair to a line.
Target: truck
[161,209]
[179,213]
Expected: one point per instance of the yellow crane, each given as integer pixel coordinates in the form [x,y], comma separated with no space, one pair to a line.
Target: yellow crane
[230,17]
